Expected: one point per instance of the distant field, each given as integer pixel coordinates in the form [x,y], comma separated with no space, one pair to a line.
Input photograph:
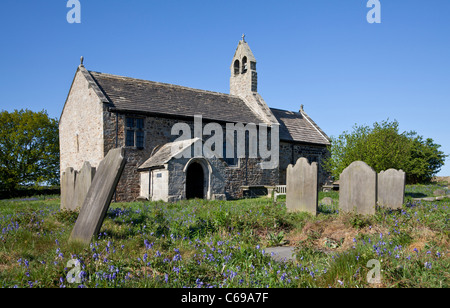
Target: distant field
[221,244]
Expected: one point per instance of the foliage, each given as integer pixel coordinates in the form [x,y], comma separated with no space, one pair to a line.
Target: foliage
[382,147]
[199,244]
[29,149]
[425,159]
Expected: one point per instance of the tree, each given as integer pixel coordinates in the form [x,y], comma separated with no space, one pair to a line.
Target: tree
[383,147]
[29,149]
[425,159]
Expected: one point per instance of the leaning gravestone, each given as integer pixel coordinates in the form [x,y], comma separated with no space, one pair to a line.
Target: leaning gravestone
[358,189]
[68,181]
[99,197]
[301,187]
[391,188]
[84,181]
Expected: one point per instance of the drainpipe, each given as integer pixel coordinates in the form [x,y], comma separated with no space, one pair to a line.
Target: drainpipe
[292,154]
[117,145]
[117,129]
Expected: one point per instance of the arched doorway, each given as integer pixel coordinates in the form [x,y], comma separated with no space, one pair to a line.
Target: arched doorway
[195,181]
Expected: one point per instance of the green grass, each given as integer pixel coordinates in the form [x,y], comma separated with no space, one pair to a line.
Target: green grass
[201,243]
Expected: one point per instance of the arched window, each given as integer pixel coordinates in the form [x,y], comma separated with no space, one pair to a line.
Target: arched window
[236,67]
[244,65]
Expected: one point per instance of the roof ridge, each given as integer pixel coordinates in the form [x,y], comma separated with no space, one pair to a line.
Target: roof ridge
[166,84]
[311,121]
[283,110]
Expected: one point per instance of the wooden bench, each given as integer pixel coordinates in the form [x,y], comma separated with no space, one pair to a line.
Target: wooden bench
[280,190]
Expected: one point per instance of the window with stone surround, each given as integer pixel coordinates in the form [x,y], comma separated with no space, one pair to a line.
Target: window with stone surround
[134,132]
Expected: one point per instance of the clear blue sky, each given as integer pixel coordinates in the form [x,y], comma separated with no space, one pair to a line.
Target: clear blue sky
[320,53]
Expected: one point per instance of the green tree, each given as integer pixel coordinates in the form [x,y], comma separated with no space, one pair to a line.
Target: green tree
[424,160]
[383,147]
[29,149]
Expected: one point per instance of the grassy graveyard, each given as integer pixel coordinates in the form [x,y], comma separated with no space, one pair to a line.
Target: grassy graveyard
[222,244]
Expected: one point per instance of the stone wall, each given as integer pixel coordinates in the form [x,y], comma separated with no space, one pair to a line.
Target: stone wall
[158,133]
[81,126]
[290,153]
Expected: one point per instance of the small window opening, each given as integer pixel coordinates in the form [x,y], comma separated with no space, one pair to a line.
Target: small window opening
[236,67]
[244,65]
[134,135]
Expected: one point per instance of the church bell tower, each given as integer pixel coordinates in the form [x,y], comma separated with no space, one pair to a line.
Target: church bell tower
[244,79]
[244,82]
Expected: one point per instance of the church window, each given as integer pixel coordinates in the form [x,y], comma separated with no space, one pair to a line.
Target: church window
[134,133]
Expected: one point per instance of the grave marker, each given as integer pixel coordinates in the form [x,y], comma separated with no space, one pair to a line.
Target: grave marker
[99,197]
[68,180]
[83,183]
[301,187]
[358,189]
[391,188]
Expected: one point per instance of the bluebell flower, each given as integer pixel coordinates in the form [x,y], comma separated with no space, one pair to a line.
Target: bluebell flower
[177,257]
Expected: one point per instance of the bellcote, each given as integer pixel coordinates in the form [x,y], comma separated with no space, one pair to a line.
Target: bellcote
[244,78]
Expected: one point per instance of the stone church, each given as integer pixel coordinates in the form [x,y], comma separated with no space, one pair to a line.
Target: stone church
[104,111]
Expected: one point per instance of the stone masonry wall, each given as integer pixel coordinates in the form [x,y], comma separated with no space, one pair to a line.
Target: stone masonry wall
[81,127]
[158,133]
[290,153]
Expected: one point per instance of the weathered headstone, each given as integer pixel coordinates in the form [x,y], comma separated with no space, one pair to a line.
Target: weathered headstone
[358,189]
[99,197]
[429,199]
[391,188]
[301,187]
[327,201]
[281,253]
[68,180]
[84,181]
[439,192]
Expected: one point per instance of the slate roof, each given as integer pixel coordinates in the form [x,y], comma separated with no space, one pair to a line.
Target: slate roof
[166,152]
[141,96]
[136,95]
[299,127]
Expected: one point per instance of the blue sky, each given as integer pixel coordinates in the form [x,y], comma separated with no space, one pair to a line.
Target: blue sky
[320,53]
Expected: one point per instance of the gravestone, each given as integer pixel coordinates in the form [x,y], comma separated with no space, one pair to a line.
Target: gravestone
[301,187]
[84,181]
[358,189]
[99,197]
[429,199]
[391,188]
[439,192]
[327,201]
[68,181]
[281,253]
